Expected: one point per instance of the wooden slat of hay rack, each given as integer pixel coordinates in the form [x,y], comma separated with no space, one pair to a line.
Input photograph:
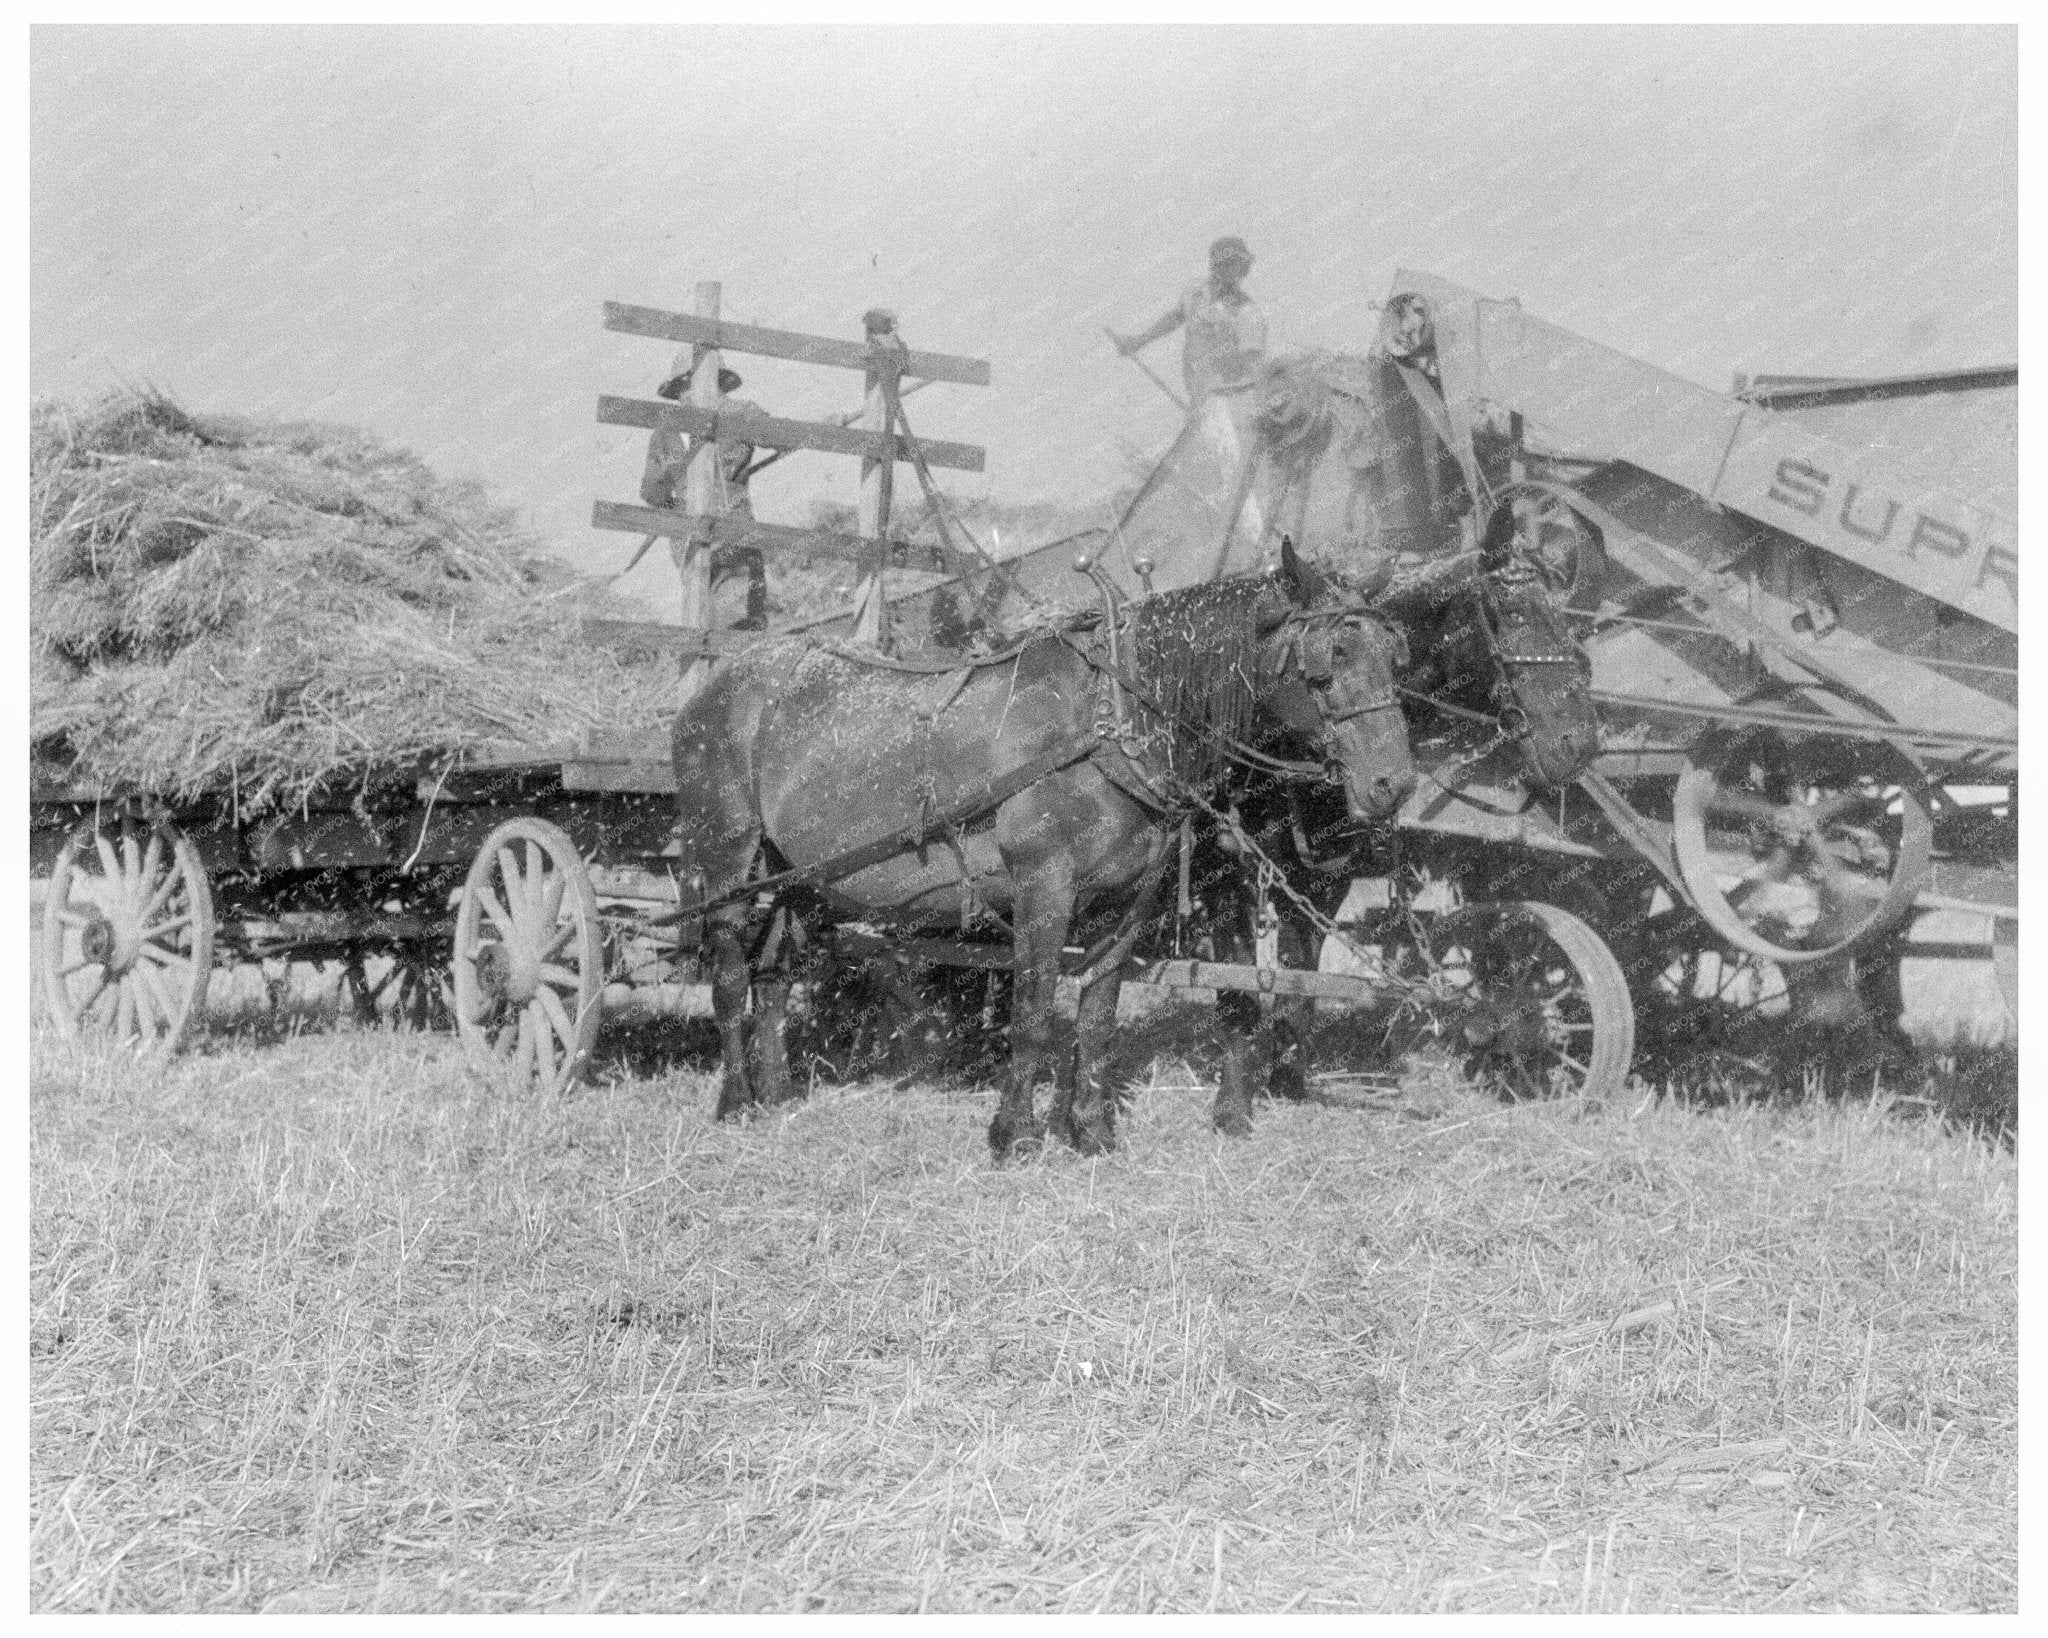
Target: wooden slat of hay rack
[879,439]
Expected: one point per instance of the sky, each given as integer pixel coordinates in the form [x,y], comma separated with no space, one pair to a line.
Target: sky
[413,230]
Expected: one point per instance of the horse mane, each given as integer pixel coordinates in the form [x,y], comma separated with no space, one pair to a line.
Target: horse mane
[1420,591]
[1195,653]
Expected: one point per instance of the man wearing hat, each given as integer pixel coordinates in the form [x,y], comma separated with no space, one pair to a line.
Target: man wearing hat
[667,453]
[1226,329]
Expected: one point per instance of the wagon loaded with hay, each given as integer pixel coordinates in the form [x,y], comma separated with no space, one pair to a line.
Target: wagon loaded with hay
[286,685]
[297,700]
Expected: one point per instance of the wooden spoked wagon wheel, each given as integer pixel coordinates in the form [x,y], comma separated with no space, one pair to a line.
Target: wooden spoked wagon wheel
[1537,1003]
[128,929]
[1797,854]
[528,960]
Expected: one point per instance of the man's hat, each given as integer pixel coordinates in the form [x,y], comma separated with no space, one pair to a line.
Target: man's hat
[1230,248]
[678,381]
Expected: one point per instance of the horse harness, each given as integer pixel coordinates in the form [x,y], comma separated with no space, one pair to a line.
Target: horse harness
[1111,741]
[1511,722]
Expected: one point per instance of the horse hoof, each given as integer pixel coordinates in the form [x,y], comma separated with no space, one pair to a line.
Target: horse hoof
[1015,1141]
[1233,1124]
[1092,1140]
[1287,1082]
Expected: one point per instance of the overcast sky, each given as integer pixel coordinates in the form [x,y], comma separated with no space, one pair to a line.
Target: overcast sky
[413,230]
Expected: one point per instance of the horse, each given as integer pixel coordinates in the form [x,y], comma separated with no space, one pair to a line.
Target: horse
[1044,784]
[1488,640]
[1491,642]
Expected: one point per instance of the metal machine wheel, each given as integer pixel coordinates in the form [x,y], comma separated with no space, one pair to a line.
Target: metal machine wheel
[1799,854]
[1537,1002]
[128,927]
[529,956]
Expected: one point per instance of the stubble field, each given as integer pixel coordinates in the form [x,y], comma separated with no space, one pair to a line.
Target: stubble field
[332,1323]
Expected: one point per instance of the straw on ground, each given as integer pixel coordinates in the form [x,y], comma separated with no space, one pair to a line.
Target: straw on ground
[334,1324]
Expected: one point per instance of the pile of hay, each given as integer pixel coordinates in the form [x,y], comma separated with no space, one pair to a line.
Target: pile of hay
[223,604]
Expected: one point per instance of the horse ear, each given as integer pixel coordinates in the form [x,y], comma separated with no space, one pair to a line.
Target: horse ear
[1304,587]
[1497,544]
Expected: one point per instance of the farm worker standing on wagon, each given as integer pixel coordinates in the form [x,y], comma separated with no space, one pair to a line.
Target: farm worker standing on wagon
[1226,329]
[667,455]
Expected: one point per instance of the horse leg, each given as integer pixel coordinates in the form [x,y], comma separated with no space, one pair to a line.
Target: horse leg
[731,979]
[1236,1012]
[1091,1125]
[768,1059]
[1044,909]
[1239,1015]
[1287,1050]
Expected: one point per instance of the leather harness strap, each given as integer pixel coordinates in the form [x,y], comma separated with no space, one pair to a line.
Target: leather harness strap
[1075,748]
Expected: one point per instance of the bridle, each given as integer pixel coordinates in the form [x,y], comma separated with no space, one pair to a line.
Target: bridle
[1510,722]
[1317,662]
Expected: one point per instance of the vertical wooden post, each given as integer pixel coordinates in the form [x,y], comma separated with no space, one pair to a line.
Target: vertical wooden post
[702,497]
[877,488]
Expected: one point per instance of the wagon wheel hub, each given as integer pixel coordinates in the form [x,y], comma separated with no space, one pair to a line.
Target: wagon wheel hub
[1511,1024]
[1796,823]
[97,941]
[503,977]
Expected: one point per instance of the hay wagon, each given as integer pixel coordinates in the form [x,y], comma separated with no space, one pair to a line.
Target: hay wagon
[389,881]
[516,892]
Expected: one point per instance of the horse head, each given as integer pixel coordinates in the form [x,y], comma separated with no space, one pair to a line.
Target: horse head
[1327,667]
[1541,682]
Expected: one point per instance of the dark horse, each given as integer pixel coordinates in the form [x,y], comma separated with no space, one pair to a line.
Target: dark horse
[1493,664]
[795,755]
[1490,640]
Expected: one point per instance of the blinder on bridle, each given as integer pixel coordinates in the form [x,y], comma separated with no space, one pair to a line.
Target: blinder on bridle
[1316,647]
[1515,574]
